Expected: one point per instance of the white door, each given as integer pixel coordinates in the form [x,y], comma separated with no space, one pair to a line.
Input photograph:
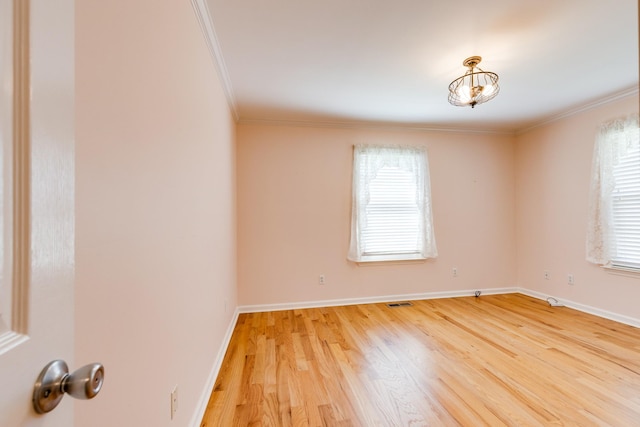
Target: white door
[37,244]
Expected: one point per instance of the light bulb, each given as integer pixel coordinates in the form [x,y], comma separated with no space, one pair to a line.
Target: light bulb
[464,93]
[488,90]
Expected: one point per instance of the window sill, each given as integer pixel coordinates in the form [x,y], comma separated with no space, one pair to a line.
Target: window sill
[623,271]
[391,259]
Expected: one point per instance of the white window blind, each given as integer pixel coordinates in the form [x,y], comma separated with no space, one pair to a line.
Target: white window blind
[391,211]
[393,215]
[626,210]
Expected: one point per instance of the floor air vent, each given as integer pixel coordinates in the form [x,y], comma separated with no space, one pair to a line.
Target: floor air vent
[399,304]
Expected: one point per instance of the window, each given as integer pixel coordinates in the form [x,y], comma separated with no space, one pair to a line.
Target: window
[391,209]
[614,210]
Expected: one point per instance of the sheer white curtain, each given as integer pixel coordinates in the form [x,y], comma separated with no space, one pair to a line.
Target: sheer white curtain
[614,140]
[411,165]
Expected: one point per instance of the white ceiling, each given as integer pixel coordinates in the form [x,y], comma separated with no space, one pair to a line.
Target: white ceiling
[381,61]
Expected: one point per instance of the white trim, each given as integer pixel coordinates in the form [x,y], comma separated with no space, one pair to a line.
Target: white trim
[627,320]
[391,258]
[372,125]
[206,24]
[633,90]
[201,407]
[425,127]
[371,300]
[622,271]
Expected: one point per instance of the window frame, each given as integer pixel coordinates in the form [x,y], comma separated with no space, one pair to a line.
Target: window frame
[368,162]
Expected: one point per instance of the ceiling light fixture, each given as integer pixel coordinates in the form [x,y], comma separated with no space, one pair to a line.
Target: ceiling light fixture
[475,86]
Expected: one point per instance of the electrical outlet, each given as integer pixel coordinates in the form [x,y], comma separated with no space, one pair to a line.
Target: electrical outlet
[570,279]
[321,279]
[546,275]
[174,401]
[454,271]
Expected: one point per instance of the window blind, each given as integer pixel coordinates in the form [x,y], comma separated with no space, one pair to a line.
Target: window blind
[393,215]
[626,210]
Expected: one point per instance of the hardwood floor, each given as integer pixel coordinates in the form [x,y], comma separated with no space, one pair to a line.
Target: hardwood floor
[490,361]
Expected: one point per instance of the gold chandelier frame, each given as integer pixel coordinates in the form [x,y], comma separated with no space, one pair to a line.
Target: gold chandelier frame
[475,86]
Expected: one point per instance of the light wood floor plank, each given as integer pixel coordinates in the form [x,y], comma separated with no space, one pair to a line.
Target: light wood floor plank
[499,360]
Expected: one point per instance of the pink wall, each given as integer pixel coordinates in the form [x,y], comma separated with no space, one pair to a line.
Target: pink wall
[553,164]
[156,219]
[155,209]
[294,201]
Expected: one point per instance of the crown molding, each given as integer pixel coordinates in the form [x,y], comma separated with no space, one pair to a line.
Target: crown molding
[384,126]
[206,25]
[630,91]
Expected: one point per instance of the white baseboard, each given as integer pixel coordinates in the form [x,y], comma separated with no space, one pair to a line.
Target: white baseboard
[213,375]
[204,399]
[433,295]
[627,320]
[370,300]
